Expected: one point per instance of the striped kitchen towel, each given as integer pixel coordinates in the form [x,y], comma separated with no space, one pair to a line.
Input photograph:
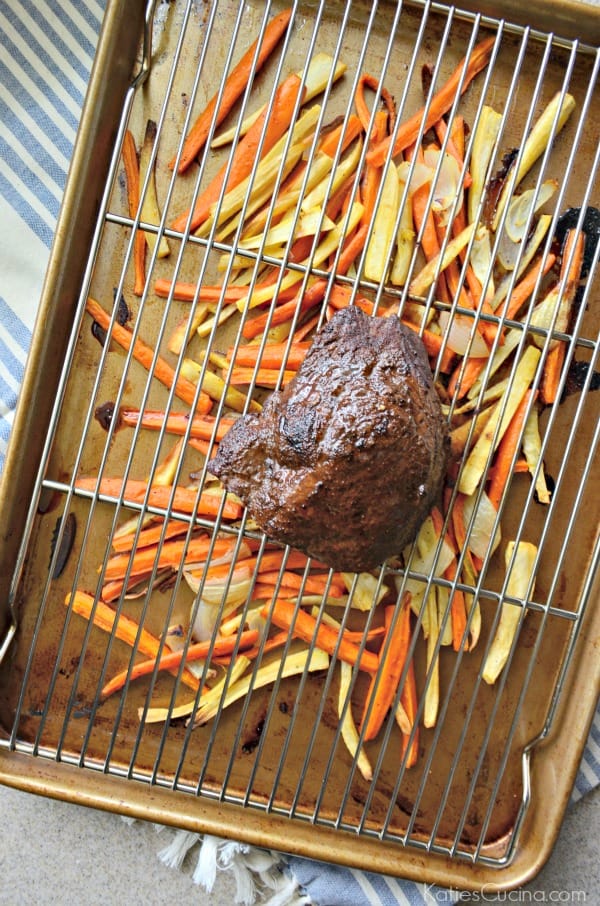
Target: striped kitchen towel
[46,52]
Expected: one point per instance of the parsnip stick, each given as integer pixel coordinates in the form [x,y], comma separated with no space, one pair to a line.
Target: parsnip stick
[475,465]
[520,576]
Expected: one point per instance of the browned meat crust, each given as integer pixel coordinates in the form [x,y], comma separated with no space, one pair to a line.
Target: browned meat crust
[346,462]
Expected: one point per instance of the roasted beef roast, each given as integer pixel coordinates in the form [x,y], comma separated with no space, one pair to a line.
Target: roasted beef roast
[346,462]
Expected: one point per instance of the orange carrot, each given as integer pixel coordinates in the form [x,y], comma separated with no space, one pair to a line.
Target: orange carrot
[381,694]
[313,584]
[269,378]
[408,699]
[235,85]
[132,176]
[144,354]
[314,293]
[441,129]
[272,356]
[341,136]
[551,373]
[525,287]
[171,661]
[372,174]
[285,615]
[304,330]
[184,499]
[441,102]
[274,122]
[202,426]
[461,384]
[150,535]
[363,111]
[124,628]
[555,359]
[186,292]
[425,227]
[507,448]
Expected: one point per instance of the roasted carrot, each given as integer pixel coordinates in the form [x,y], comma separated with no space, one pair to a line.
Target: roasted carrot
[144,354]
[302,625]
[372,174]
[170,661]
[340,296]
[551,373]
[502,470]
[132,177]
[184,499]
[313,584]
[187,292]
[471,368]
[441,130]
[440,104]
[384,686]
[170,554]
[235,85]
[426,229]
[274,122]
[364,114]
[124,628]
[269,378]
[152,534]
[525,287]
[555,359]
[202,426]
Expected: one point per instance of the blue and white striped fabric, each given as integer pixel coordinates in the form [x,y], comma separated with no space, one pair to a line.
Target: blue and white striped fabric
[46,52]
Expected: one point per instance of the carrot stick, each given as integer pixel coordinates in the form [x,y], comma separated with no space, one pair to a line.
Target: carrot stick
[511,439]
[441,129]
[461,384]
[440,104]
[268,378]
[272,356]
[235,85]
[408,700]
[150,535]
[171,661]
[184,499]
[341,137]
[425,227]
[177,422]
[310,585]
[551,373]
[380,697]
[363,111]
[124,628]
[460,531]
[525,287]
[170,554]
[555,359]
[144,354]
[202,426]
[285,615]
[132,176]
[274,122]
[186,292]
